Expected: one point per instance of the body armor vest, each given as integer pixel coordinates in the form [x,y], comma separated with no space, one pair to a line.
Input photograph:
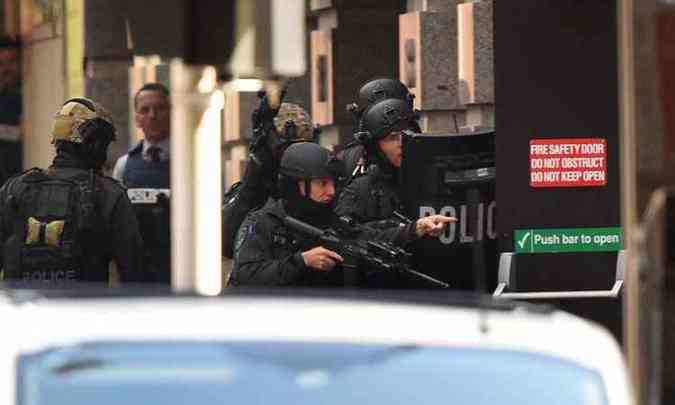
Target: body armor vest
[54,223]
[154,220]
[140,173]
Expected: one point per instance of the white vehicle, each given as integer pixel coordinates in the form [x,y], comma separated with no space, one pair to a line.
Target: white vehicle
[283,349]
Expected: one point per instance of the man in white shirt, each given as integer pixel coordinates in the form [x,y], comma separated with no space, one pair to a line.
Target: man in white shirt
[147,164]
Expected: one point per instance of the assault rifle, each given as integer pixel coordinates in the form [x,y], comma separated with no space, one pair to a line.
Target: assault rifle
[380,256]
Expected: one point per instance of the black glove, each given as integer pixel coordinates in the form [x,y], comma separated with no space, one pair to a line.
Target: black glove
[260,151]
[263,142]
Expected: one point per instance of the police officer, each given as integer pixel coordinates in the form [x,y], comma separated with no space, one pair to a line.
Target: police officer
[376,196]
[274,130]
[148,165]
[267,253]
[355,159]
[146,171]
[66,223]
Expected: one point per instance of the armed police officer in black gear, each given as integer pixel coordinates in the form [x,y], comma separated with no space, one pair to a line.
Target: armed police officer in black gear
[356,160]
[274,129]
[270,253]
[376,196]
[66,223]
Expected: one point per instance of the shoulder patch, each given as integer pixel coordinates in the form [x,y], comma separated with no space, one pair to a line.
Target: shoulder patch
[246,229]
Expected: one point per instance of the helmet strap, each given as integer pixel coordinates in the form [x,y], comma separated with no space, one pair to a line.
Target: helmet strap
[308,188]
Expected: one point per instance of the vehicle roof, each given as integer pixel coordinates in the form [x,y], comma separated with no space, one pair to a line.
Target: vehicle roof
[38,322]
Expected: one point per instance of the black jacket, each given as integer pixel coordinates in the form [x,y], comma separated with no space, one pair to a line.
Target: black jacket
[372,199]
[256,187]
[353,157]
[267,253]
[115,236]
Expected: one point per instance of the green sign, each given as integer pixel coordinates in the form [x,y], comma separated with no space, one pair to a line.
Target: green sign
[568,240]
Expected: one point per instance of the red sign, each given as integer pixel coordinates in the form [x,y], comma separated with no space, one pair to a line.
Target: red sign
[568,162]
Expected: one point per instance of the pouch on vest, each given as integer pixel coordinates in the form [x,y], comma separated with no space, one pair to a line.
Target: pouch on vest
[153,213]
[47,240]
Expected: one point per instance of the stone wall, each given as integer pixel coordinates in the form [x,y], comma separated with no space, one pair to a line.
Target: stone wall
[107,78]
[447,60]
[442,49]
[355,41]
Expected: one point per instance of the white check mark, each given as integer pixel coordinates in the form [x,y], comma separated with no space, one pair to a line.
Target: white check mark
[522,242]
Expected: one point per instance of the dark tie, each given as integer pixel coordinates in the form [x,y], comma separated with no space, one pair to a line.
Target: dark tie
[153,154]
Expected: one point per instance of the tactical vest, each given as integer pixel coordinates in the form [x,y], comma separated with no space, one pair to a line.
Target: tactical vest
[355,162]
[53,228]
[140,173]
[379,198]
[154,220]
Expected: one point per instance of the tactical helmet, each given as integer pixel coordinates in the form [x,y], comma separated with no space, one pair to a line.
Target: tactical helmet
[79,119]
[384,117]
[380,89]
[307,160]
[293,122]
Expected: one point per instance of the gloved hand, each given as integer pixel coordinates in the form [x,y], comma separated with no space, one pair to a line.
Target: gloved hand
[260,150]
[263,141]
[264,114]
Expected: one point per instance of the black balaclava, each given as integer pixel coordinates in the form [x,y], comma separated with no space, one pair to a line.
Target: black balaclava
[303,207]
[91,154]
[303,162]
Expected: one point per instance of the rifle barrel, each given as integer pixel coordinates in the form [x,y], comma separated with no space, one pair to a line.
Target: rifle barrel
[428,278]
